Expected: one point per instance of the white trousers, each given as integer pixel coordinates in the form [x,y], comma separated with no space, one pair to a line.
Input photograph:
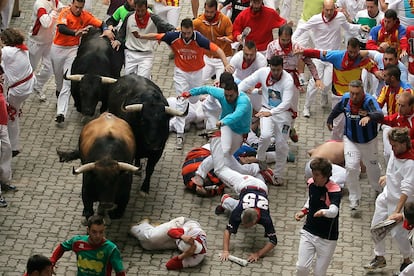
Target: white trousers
[156,237]
[222,150]
[139,63]
[214,66]
[195,114]
[231,178]
[184,81]
[62,59]
[276,126]
[16,97]
[6,14]
[325,70]
[383,208]
[212,110]
[284,6]
[370,82]
[368,154]
[168,13]
[5,155]
[311,246]
[41,52]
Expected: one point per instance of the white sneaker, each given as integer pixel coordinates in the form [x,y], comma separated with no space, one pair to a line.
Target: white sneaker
[179,143]
[306,112]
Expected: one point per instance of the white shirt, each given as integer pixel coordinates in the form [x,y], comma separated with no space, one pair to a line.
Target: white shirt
[327,36]
[237,63]
[16,65]
[400,179]
[48,21]
[283,91]
[406,15]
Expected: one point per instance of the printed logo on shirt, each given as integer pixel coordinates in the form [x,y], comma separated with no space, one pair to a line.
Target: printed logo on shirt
[187,54]
[88,265]
[274,97]
[285,129]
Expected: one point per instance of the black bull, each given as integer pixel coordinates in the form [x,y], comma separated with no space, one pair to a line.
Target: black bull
[106,150]
[94,63]
[141,103]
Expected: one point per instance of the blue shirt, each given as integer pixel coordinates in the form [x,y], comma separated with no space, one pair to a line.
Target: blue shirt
[237,115]
[355,132]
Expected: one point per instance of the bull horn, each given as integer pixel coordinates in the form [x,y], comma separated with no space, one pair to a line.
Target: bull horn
[132,108]
[108,80]
[72,77]
[175,112]
[84,168]
[127,167]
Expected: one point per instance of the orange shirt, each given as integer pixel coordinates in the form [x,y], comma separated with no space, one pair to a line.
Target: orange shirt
[188,55]
[66,17]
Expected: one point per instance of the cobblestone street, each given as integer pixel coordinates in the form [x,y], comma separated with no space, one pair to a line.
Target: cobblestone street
[47,207]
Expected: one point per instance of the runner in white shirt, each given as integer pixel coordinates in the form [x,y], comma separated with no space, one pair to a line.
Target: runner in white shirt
[247,61]
[279,100]
[326,28]
[44,17]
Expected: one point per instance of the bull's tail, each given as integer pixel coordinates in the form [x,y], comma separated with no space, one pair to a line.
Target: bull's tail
[66,156]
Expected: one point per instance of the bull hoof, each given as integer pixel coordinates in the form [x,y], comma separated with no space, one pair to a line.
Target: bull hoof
[84,221]
[143,194]
[115,214]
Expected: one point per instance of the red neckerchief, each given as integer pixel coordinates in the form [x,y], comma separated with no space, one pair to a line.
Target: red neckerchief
[270,80]
[355,107]
[142,23]
[245,65]
[409,154]
[286,50]
[57,3]
[407,225]
[332,18]
[21,47]
[348,63]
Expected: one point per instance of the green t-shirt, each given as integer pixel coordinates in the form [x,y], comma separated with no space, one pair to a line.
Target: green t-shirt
[310,8]
[97,261]
[371,22]
[120,13]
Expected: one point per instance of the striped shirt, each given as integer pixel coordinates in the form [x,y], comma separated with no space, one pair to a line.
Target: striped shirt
[353,130]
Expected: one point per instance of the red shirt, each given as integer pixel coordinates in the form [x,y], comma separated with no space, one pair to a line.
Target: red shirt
[261,23]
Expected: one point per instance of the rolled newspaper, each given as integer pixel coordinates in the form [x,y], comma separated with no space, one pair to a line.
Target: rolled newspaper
[238,260]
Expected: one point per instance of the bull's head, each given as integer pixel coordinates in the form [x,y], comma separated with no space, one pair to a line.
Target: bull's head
[89,90]
[108,177]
